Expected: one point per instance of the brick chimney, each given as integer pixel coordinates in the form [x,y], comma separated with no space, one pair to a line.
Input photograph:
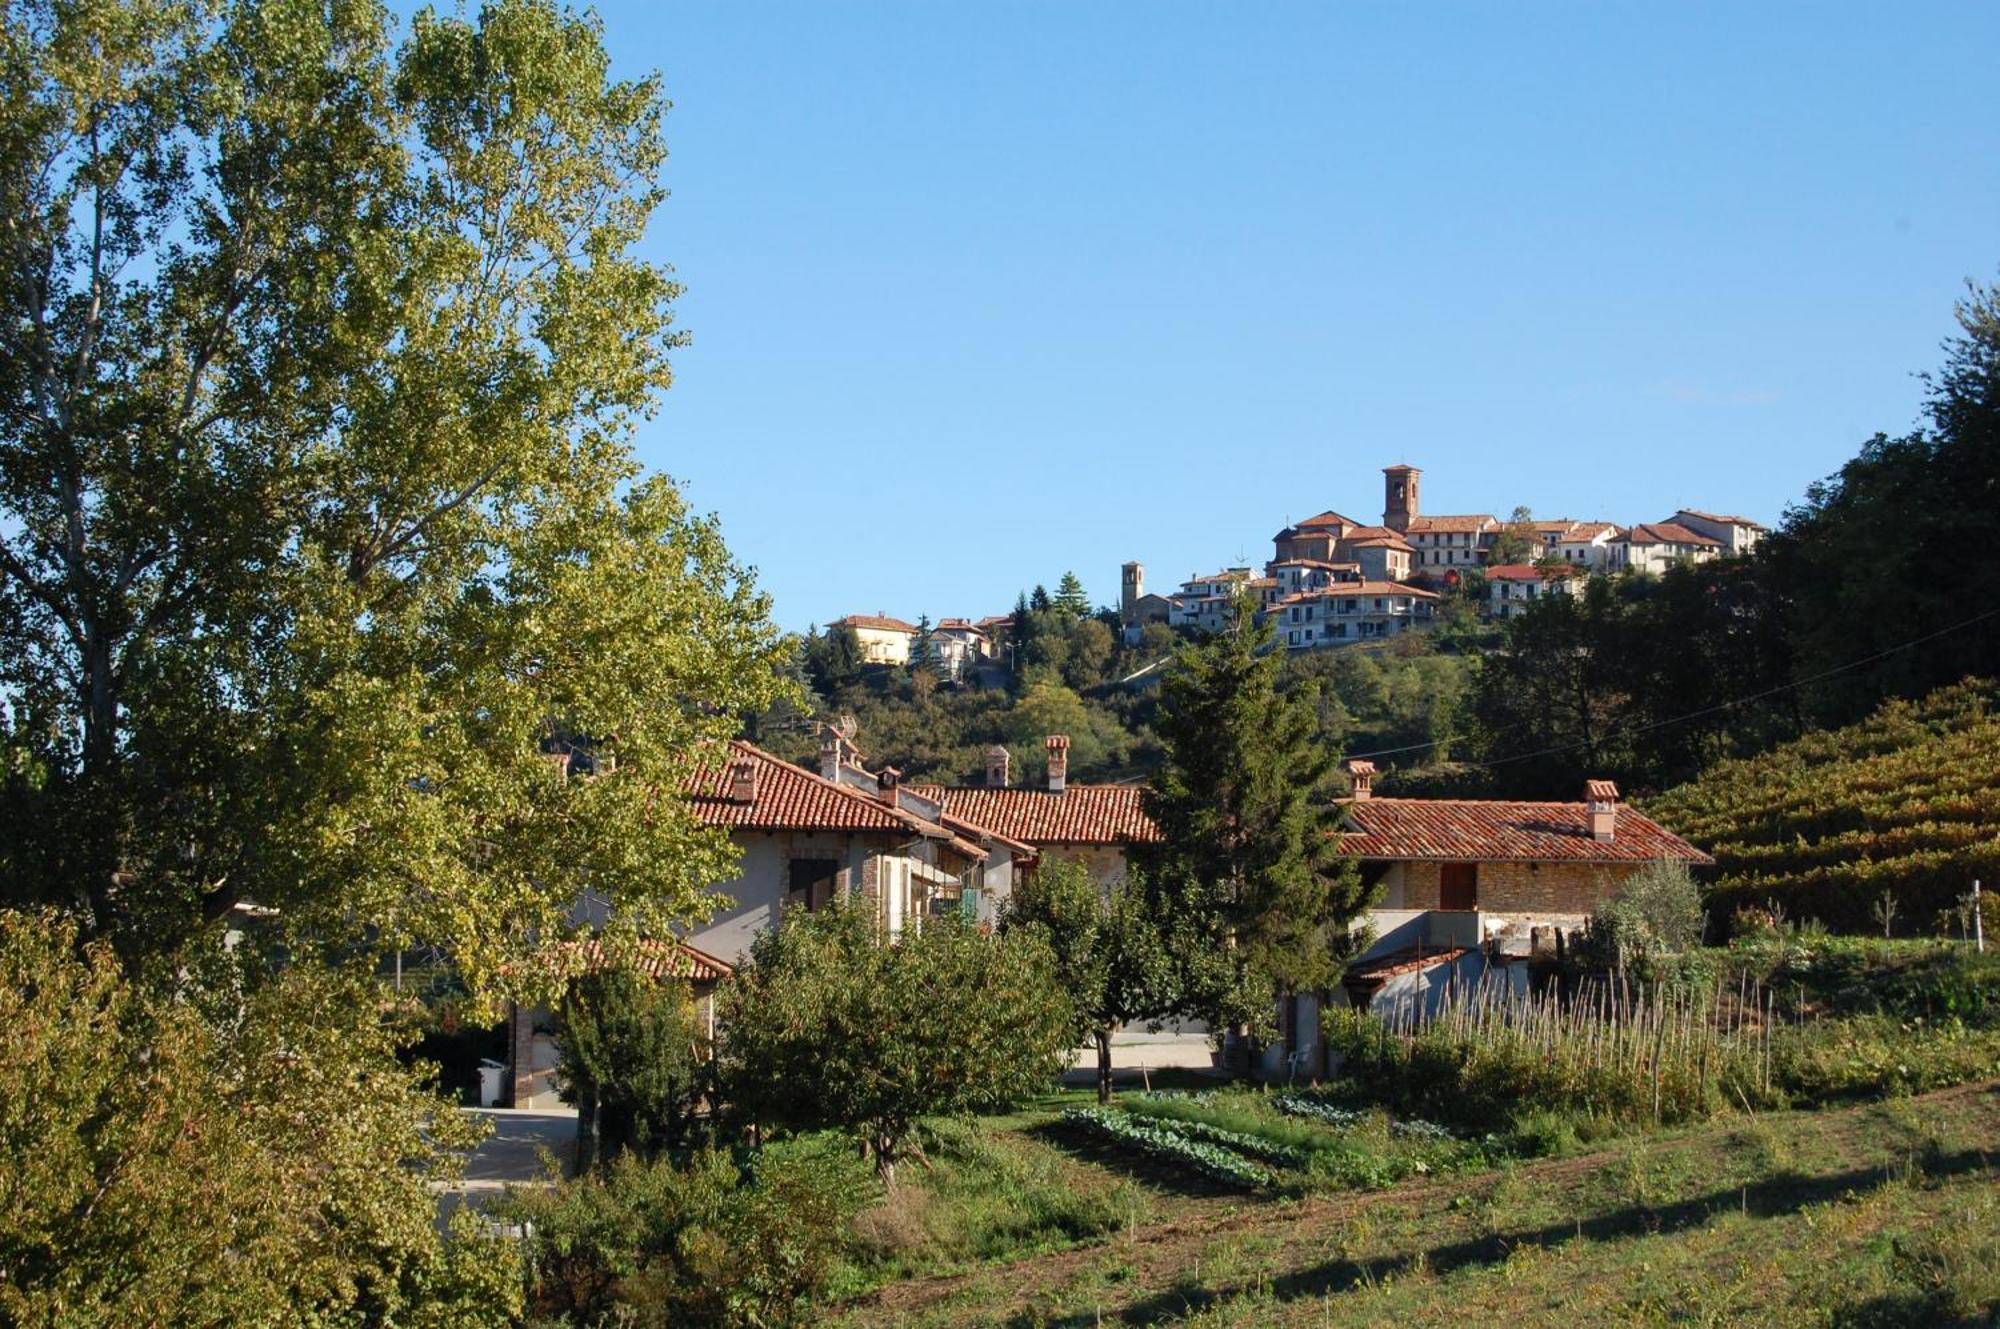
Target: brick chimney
[887,783]
[1600,798]
[996,767]
[743,781]
[1361,774]
[1058,746]
[829,753]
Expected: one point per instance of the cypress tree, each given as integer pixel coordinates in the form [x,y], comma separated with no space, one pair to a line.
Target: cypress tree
[1251,863]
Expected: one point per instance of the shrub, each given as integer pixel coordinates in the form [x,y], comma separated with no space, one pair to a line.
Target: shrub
[707,1243]
[1656,913]
[242,1150]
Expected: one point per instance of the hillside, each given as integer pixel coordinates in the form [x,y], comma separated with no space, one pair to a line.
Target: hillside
[1906,801]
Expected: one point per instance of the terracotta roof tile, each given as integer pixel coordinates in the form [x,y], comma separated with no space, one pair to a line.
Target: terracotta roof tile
[1667,533]
[1493,830]
[790,798]
[1471,522]
[656,958]
[1081,814]
[880,622]
[1529,572]
[1327,518]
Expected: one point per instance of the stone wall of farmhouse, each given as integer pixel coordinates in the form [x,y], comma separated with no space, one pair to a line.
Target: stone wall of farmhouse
[1524,888]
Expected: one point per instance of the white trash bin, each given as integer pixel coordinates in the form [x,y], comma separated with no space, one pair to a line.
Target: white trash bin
[492,1082]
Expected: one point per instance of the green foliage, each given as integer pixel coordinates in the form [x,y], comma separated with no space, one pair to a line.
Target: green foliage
[704,1243]
[1905,801]
[317,512]
[831,1026]
[1070,598]
[634,1062]
[1911,981]
[244,1150]
[1250,867]
[1111,953]
[1656,912]
[1168,1143]
[1871,1056]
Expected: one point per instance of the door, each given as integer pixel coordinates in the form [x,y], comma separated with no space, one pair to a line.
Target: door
[1458,886]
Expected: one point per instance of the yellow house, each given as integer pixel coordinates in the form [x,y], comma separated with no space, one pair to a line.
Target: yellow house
[883,640]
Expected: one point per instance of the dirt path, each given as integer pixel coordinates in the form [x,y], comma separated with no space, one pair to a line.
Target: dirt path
[1779,1160]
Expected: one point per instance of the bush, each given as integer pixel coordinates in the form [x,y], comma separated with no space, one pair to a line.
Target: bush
[1655,914]
[707,1243]
[242,1150]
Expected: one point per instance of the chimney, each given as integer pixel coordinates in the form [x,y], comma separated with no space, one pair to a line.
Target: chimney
[996,767]
[1058,745]
[1361,774]
[887,783]
[743,781]
[1600,798]
[829,753]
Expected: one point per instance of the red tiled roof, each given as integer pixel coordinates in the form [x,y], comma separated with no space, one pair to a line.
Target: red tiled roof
[1347,590]
[1310,563]
[880,622]
[1080,814]
[1584,532]
[1667,533]
[1493,830]
[1327,518]
[791,798]
[1716,516]
[657,958]
[1470,522]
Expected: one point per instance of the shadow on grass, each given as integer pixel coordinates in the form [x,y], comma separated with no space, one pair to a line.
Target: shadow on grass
[1772,1197]
[1093,1148]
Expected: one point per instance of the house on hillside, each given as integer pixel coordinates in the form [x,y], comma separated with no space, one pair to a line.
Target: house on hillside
[1588,544]
[883,640]
[1468,886]
[1096,825]
[1655,548]
[804,839]
[1347,612]
[1737,535]
[1512,587]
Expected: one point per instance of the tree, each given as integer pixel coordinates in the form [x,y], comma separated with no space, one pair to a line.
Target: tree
[1038,599]
[832,660]
[831,1026]
[1111,953]
[318,521]
[1656,912]
[1250,849]
[1517,541]
[246,1151]
[1070,597]
[633,1061]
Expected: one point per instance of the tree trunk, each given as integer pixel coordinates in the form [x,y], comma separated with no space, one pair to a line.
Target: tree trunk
[1103,1037]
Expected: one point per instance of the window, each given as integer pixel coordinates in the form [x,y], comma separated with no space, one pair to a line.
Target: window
[810,884]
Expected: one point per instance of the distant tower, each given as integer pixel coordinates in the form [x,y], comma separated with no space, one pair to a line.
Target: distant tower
[1399,496]
[1130,590]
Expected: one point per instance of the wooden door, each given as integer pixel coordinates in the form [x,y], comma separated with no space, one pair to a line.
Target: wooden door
[1458,886]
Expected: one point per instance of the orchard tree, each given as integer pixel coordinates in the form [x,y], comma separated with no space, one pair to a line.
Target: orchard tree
[319,525]
[1112,954]
[831,1025]
[1250,847]
[633,1062]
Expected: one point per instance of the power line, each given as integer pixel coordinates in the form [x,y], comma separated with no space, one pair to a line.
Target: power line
[1697,714]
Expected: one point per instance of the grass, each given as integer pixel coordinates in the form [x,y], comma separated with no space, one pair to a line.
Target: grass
[1885,1214]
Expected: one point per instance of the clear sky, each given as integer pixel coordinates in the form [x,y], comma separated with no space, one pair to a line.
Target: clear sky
[981,292]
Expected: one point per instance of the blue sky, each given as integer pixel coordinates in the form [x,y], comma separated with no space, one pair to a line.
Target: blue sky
[981,292]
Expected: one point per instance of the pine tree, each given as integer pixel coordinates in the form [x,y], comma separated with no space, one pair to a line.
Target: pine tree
[1070,597]
[1251,855]
[1039,600]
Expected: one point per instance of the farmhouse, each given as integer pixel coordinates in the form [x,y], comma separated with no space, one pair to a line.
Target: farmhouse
[1467,885]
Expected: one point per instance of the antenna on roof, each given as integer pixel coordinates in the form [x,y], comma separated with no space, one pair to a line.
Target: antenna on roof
[847,726]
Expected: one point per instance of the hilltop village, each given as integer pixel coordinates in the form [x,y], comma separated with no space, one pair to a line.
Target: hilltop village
[1334,581]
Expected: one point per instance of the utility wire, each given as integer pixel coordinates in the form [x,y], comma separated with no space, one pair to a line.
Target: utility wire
[1692,715]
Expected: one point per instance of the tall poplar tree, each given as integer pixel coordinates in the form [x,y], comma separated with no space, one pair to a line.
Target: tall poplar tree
[319,354]
[1245,801]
